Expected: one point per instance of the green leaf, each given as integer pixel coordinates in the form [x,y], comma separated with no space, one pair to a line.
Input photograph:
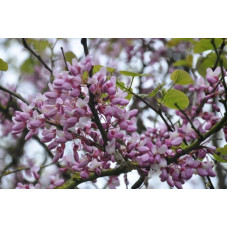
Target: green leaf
[96,68]
[173,97]
[144,74]
[224,61]
[130,95]
[155,91]
[111,70]
[85,76]
[39,45]
[221,155]
[181,77]
[184,62]
[69,56]
[127,73]
[176,41]
[205,62]
[27,66]
[205,44]
[120,84]
[3,65]
[104,95]
[189,60]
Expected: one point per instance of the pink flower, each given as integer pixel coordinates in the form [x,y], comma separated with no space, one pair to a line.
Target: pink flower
[84,174]
[35,124]
[111,147]
[177,141]
[212,76]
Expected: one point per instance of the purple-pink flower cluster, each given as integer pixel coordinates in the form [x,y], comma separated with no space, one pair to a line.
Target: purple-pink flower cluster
[62,114]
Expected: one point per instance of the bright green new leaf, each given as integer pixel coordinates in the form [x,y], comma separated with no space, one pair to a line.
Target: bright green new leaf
[155,91]
[69,56]
[130,95]
[120,84]
[176,41]
[184,62]
[221,155]
[205,44]
[127,73]
[189,60]
[85,76]
[39,45]
[27,66]
[96,68]
[181,77]
[173,97]
[144,74]
[224,61]
[3,65]
[151,94]
[205,62]
[111,70]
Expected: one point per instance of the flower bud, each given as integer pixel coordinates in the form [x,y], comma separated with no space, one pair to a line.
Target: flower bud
[177,141]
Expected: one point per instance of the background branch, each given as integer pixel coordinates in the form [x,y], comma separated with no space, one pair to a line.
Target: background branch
[36,55]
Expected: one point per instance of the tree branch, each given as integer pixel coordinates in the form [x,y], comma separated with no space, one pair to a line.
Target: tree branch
[197,142]
[192,125]
[139,182]
[218,54]
[52,123]
[92,103]
[76,180]
[66,66]
[211,186]
[23,168]
[159,112]
[219,60]
[14,94]
[37,56]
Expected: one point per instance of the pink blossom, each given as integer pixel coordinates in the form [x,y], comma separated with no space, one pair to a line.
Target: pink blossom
[177,141]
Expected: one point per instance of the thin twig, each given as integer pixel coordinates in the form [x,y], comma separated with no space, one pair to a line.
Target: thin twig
[159,112]
[37,56]
[66,66]
[139,182]
[14,94]
[204,100]
[23,168]
[211,186]
[192,125]
[218,54]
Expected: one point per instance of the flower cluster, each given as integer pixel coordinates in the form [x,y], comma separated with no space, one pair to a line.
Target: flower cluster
[63,114]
